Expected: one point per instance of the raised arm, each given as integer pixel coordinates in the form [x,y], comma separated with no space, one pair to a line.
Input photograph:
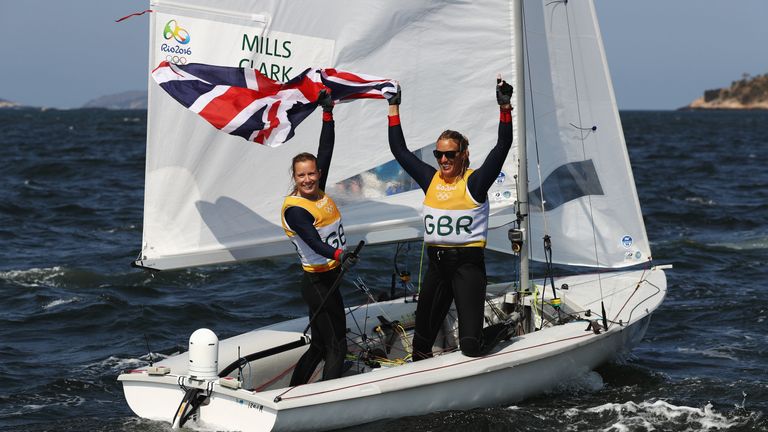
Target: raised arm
[327,137]
[420,171]
[482,179]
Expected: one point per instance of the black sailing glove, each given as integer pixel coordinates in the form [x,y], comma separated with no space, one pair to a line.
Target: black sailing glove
[348,260]
[395,100]
[325,100]
[503,92]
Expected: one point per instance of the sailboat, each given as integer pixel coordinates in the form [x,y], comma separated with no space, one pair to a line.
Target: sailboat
[565,197]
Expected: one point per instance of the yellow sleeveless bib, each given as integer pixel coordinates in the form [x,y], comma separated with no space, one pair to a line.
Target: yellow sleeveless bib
[328,225]
[451,215]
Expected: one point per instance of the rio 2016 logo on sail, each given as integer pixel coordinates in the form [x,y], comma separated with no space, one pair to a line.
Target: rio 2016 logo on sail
[176,53]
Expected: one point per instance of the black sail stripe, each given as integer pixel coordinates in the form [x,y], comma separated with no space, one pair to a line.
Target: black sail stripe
[567,183]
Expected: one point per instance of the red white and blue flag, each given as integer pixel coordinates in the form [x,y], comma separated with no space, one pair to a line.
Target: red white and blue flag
[243,102]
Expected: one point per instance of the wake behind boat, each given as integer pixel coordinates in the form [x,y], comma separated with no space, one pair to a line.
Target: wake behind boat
[565,197]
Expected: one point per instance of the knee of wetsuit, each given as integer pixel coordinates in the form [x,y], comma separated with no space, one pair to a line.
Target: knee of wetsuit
[471,347]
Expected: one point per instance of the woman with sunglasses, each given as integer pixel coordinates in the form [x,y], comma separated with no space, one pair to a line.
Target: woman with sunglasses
[309,216]
[455,214]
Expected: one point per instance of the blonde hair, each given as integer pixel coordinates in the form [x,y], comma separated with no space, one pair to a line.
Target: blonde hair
[301,157]
[463,143]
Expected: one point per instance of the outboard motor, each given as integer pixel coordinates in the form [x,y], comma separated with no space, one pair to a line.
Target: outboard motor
[203,355]
[203,366]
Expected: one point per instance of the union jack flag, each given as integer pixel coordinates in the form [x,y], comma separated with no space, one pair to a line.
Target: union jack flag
[243,102]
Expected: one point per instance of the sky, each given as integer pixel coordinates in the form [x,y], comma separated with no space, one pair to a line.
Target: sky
[662,54]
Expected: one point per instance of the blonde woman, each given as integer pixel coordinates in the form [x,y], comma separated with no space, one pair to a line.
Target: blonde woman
[313,223]
[455,216]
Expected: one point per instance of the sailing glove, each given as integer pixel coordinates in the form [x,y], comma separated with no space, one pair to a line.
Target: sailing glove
[348,260]
[503,92]
[325,100]
[395,100]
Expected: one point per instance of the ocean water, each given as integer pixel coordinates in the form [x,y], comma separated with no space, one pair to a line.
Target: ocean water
[73,313]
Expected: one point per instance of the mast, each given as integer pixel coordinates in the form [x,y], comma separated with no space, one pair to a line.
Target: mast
[522,155]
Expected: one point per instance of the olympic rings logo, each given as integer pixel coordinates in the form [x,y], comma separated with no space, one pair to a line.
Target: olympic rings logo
[325,205]
[443,196]
[175,31]
[179,60]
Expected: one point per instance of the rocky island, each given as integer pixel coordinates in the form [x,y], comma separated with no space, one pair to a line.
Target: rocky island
[124,100]
[747,93]
[129,100]
[7,104]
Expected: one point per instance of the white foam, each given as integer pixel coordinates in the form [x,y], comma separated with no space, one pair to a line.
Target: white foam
[58,400]
[711,353]
[745,244]
[60,302]
[659,415]
[700,200]
[117,364]
[34,277]
[588,382]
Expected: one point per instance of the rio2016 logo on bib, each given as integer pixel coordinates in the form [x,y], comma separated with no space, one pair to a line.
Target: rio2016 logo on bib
[445,225]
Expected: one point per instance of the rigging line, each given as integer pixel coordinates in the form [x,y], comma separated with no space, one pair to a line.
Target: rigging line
[360,345]
[404,337]
[588,130]
[394,259]
[607,273]
[634,291]
[274,379]
[550,271]
[494,309]
[583,145]
[364,336]
[658,290]
[547,250]
[529,78]
[364,288]
[354,319]
[421,263]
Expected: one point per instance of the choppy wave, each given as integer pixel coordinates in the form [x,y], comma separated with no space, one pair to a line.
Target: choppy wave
[659,415]
[756,243]
[74,314]
[34,277]
[701,200]
[43,403]
[59,302]
[718,353]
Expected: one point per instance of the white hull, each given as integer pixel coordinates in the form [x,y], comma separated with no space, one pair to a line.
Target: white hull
[523,367]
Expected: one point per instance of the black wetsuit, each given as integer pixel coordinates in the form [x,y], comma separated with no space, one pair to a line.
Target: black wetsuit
[454,273]
[329,323]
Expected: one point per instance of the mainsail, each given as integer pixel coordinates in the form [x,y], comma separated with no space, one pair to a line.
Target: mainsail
[213,198]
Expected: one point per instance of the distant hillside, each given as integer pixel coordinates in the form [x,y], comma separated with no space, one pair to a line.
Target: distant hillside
[124,100]
[747,93]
